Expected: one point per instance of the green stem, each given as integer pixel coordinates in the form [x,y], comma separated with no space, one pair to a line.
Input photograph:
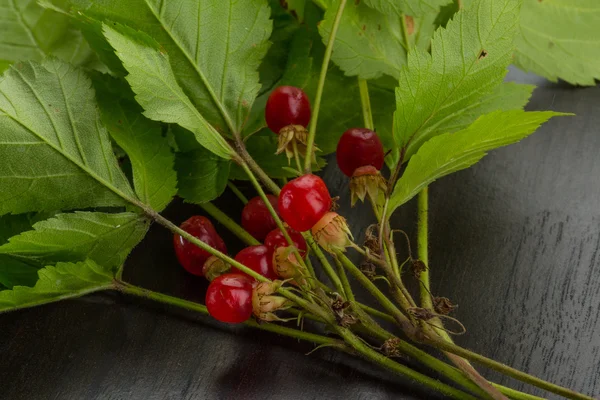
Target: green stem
[505,369]
[248,161]
[230,224]
[297,156]
[191,306]
[317,105]
[378,358]
[274,214]
[366,103]
[423,250]
[345,281]
[404,31]
[237,192]
[390,307]
[325,264]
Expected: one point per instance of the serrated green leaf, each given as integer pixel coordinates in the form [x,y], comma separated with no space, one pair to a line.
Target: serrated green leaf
[451,152]
[368,43]
[16,272]
[505,97]
[202,175]
[104,238]
[560,39]
[157,90]
[468,60]
[65,280]
[215,47]
[13,224]
[55,152]
[414,8]
[152,160]
[30,32]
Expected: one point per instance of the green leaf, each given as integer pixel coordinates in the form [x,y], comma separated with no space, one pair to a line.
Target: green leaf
[157,90]
[55,152]
[214,46]
[30,32]
[16,272]
[560,39]
[468,60]
[414,8]
[104,238]
[202,175]
[13,224]
[368,43]
[451,152]
[154,178]
[65,280]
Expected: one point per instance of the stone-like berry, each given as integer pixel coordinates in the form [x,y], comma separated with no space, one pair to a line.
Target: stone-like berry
[303,201]
[190,256]
[287,105]
[257,258]
[256,218]
[229,298]
[359,147]
[275,239]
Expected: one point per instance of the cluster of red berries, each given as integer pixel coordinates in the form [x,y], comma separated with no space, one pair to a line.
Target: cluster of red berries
[304,204]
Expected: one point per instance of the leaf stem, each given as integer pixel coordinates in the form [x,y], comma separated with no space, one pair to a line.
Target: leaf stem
[366,103]
[423,247]
[344,280]
[274,214]
[237,192]
[324,66]
[297,156]
[325,264]
[230,224]
[244,158]
[441,344]
[200,308]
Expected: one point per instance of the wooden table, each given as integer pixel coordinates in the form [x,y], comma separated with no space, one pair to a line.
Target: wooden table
[514,241]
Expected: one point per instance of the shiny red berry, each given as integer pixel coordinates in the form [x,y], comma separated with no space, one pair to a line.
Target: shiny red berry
[287,105]
[303,201]
[190,256]
[359,147]
[229,298]
[257,258]
[256,218]
[276,239]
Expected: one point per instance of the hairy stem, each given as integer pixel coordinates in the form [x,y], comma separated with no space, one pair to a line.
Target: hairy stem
[246,159]
[423,247]
[230,224]
[317,104]
[505,369]
[363,87]
[237,192]
[200,308]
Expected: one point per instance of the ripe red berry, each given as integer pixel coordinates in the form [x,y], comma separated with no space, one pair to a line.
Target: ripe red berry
[229,298]
[190,256]
[303,201]
[287,105]
[359,147]
[257,219]
[276,239]
[257,258]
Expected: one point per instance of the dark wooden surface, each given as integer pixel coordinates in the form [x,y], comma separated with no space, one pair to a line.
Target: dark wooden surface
[515,243]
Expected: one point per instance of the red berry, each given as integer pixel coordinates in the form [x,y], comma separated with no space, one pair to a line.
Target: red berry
[276,239]
[229,298]
[303,201]
[287,105]
[257,258]
[257,219]
[359,147]
[190,256]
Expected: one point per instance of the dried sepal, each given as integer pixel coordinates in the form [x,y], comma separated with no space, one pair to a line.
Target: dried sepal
[286,266]
[366,180]
[294,135]
[265,303]
[214,267]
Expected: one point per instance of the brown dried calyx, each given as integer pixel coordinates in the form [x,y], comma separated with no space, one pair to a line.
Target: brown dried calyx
[371,239]
[418,267]
[443,305]
[294,135]
[390,347]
